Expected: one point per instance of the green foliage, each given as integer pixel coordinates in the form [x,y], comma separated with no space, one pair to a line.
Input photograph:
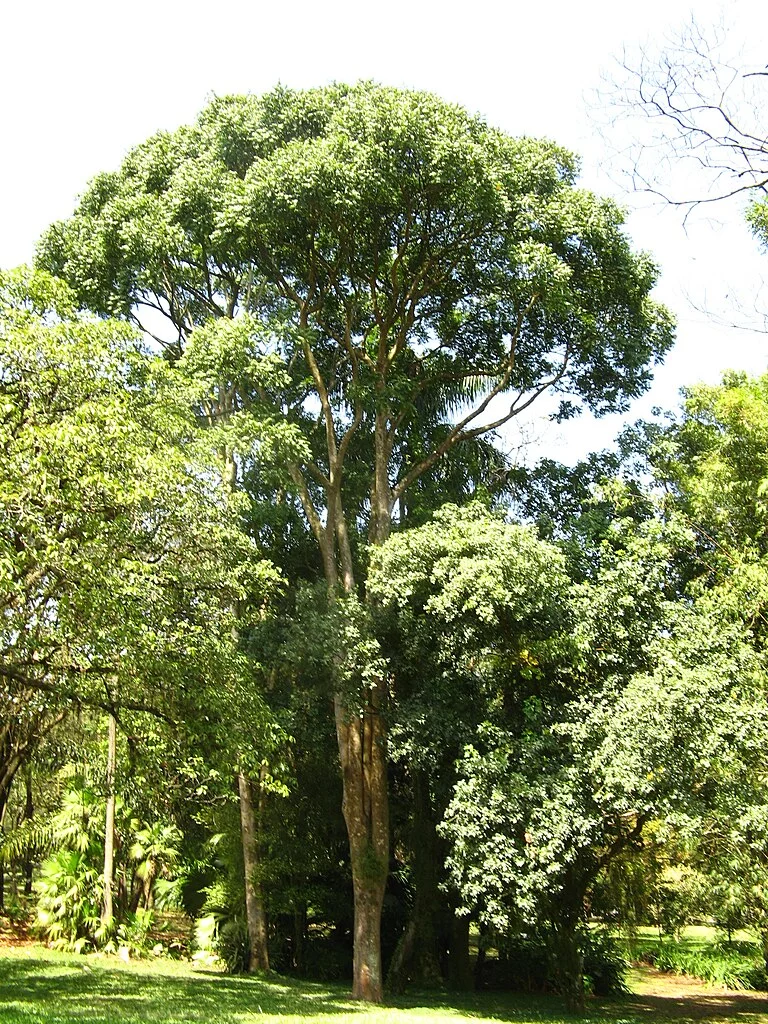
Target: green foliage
[69,901]
[379,251]
[527,962]
[716,457]
[221,933]
[116,555]
[605,966]
[70,886]
[727,966]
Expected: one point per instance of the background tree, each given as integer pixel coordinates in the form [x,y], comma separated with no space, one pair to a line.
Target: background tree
[699,106]
[119,553]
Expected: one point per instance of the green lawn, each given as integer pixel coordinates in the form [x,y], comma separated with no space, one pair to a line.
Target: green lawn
[693,935]
[41,987]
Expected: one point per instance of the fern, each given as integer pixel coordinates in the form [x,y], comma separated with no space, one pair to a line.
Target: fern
[30,837]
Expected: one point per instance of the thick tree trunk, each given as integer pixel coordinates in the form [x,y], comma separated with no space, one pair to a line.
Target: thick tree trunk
[360,730]
[365,804]
[459,967]
[109,828]
[570,967]
[367,967]
[256,916]
[416,958]
[569,963]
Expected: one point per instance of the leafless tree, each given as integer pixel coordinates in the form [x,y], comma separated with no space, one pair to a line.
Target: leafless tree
[690,113]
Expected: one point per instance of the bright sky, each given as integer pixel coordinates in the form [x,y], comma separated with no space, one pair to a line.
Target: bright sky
[85,80]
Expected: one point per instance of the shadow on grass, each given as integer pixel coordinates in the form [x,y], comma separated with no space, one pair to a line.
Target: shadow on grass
[704,1006]
[50,989]
[103,993]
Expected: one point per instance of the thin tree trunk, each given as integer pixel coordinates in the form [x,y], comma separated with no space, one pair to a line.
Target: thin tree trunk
[254,903]
[4,791]
[29,810]
[109,829]
[299,936]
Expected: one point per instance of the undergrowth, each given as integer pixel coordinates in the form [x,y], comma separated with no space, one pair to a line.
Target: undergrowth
[736,965]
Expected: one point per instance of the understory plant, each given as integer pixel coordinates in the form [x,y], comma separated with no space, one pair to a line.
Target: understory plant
[728,965]
[70,886]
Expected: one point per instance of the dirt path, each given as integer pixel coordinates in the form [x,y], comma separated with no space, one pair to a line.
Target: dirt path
[681,998]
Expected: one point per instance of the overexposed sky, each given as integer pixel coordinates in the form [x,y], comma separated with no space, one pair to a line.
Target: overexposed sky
[83,81]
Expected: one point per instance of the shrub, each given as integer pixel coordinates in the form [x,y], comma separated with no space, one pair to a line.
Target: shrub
[605,966]
[220,931]
[69,899]
[527,963]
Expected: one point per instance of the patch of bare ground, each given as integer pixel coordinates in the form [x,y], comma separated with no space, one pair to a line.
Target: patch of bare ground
[676,997]
[13,934]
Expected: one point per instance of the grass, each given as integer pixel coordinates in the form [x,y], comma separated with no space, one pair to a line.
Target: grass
[700,952]
[38,986]
[41,987]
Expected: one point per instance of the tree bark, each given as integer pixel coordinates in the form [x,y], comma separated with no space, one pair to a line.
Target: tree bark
[4,793]
[569,963]
[255,913]
[459,967]
[763,932]
[365,805]
[109,828]
[416,958]
[29,810]
[299,937]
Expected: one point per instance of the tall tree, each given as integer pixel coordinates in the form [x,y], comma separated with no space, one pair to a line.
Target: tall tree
[405,263]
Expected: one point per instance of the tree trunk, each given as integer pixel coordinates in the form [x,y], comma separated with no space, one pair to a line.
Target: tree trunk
[367,967]
[569,963]
[417,958]
[570,967]
[459,968]
[109,828]
[255,913]
[29,810]
[365,805]
[299,937]
[482,948]
[4,793]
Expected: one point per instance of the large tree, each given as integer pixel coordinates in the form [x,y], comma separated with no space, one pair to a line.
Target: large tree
[405,264]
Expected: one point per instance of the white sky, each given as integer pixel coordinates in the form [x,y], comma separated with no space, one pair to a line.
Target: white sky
[83,81]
